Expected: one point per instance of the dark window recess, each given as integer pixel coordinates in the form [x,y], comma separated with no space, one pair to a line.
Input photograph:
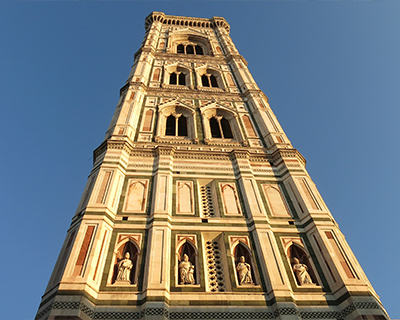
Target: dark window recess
[189,49]
[124,218]
[204,220]
[180,49]
[182,80]
[182,126]
[214,82]
[215,132]
[204,81]
[226,129]
[291,222]
[199,50]
[172,78]
[170,127]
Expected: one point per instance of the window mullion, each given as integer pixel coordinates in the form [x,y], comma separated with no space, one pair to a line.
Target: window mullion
[220,128]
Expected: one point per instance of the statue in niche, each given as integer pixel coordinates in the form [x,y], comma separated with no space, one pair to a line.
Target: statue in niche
[301,272]
[244,272]
[186,270]
[124,268]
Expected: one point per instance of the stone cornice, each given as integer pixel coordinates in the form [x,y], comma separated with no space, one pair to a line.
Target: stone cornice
[193,22]
[282,154]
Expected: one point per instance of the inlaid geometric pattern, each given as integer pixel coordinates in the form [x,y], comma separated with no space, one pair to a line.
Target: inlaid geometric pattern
[66,305]
[209,315]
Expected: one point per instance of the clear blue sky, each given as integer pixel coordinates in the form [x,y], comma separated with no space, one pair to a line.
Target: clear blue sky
[330,69]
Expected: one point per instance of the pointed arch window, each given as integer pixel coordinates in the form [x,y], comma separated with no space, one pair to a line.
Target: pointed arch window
[209,80]
[182,80]
[220,128]
[173,78]
[176,125]
[177,78]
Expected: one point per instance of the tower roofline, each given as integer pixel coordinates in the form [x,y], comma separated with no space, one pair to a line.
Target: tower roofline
[186,21]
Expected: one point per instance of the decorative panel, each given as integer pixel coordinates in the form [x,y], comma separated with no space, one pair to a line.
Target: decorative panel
[276,201]
[184,199]
[136,195]
[230,199]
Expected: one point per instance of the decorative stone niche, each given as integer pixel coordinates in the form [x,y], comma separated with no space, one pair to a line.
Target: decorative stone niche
[123,272]
[300,262]
[187,261]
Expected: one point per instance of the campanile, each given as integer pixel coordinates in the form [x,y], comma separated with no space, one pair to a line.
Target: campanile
[198,206]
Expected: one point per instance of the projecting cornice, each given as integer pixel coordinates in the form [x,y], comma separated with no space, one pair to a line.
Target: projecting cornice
[161,17]
[282,154]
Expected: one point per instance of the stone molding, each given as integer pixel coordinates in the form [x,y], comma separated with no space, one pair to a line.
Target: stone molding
[165,313]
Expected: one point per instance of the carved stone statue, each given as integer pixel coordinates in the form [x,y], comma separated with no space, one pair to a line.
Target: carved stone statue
[186,270]
[301,272]
[244,272]
[124,268]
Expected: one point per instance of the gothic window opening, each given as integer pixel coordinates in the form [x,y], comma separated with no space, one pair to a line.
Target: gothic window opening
[301,266]
[189,49]
[214,126]
[213,81]
[180,49]
[220,128]
[204,81]
[176,125]
[126,264]
[170,127]
[209,80]
[182,126]
[194,49]
[226,129]
[172,78]
[199,50]
[182,80]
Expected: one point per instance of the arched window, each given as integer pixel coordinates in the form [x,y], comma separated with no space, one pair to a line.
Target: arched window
[226,129]
[214,126]
[204,81]
[182,126]
[220,128]
[189,49]
[176,125]
[172,78]
[182,79]
[180,49]
[171,125]
[213,81]
[209,80]
[199,50]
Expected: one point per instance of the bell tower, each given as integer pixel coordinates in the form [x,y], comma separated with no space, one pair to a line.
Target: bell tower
[198,206]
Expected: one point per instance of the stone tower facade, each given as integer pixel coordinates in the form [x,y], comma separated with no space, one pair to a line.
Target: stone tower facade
[198,206]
